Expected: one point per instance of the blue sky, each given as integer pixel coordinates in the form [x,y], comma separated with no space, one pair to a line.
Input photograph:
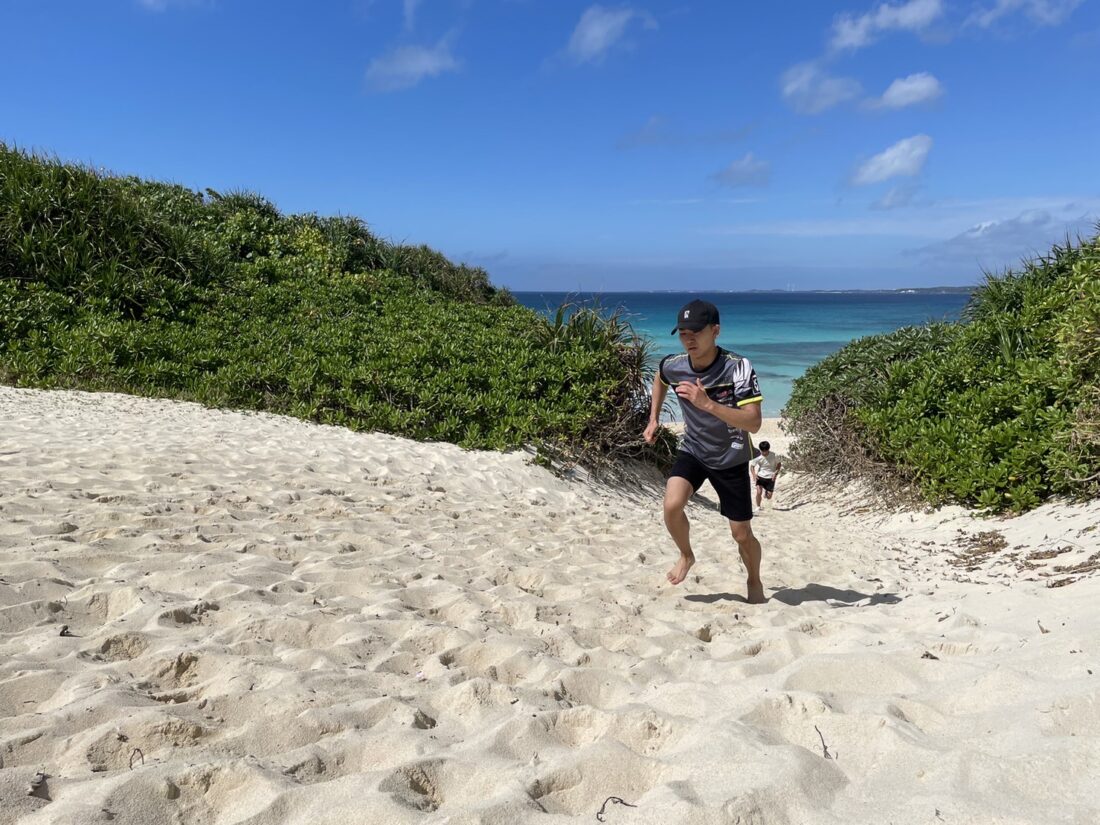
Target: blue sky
[570,145]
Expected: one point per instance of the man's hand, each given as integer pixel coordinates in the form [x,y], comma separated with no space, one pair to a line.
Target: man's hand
[650,434]
[695,394]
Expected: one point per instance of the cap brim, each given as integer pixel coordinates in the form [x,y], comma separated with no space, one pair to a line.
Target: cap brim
[692,327]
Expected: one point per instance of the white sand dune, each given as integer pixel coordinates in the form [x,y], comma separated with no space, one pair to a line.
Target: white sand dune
[276,622]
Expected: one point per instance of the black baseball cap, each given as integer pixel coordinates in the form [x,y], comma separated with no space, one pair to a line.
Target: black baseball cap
[695,316]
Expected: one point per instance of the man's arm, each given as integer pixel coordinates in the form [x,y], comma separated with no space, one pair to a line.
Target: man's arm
[747,417]
[657,401]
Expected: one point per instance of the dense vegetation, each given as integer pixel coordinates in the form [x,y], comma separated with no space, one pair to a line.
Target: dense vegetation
[115,283]
[1000,410]
[120,284]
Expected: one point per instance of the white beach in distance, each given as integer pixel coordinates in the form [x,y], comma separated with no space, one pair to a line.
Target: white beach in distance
[270,621]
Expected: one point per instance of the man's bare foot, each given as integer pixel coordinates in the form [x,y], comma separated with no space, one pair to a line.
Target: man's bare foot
[756,593]
[679,571]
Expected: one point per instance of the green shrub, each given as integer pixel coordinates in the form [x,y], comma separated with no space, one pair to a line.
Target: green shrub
[110,283]
[999,411]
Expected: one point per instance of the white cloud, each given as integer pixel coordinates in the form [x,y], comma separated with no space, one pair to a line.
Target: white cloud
[599,29]
[1043,12]
[657,131]
[850,32]
[897,197]
[406,66]
[689,201]
[909,91]
[409,8]
[904,159]
[164,5]
[999,243]
[810,91]
[938,219]
[822,228]
[748,171]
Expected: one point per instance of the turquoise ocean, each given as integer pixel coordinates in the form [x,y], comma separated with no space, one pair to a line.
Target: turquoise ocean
[782,333]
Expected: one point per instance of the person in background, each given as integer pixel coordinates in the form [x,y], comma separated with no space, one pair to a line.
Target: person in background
[720,398]
[765,471]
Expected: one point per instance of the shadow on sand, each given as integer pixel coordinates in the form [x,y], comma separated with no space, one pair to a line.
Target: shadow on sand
[717,597]
[810,593]
[788,507]
[814,592]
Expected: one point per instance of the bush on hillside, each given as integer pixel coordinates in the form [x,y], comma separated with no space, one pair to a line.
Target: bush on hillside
[999,411]
[121,284]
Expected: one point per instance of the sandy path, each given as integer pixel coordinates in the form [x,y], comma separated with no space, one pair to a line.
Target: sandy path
[299,624]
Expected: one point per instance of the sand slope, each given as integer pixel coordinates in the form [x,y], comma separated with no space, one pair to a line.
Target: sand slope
[276,622]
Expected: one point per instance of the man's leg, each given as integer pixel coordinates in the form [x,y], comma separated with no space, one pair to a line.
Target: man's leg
[749,548]
[677,492]
[759,492]
[769,487]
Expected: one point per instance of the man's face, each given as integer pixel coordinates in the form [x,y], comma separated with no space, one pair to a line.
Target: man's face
[763,451]
[700,341]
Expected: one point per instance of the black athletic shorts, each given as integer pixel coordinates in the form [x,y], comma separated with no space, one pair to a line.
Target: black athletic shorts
[731,484]
[767,483]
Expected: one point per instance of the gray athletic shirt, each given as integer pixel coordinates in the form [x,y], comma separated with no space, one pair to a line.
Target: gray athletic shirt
[731,381]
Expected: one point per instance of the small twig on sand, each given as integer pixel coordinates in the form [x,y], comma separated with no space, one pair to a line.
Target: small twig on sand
[824,747]
[1041,628]
[136,752]
[600,813]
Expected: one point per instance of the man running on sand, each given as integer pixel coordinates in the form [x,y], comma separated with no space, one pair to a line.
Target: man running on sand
[720,399]
[765,468]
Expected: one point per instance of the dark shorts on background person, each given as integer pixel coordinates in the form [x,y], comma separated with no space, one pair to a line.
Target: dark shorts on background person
[731,484]
[767,483]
